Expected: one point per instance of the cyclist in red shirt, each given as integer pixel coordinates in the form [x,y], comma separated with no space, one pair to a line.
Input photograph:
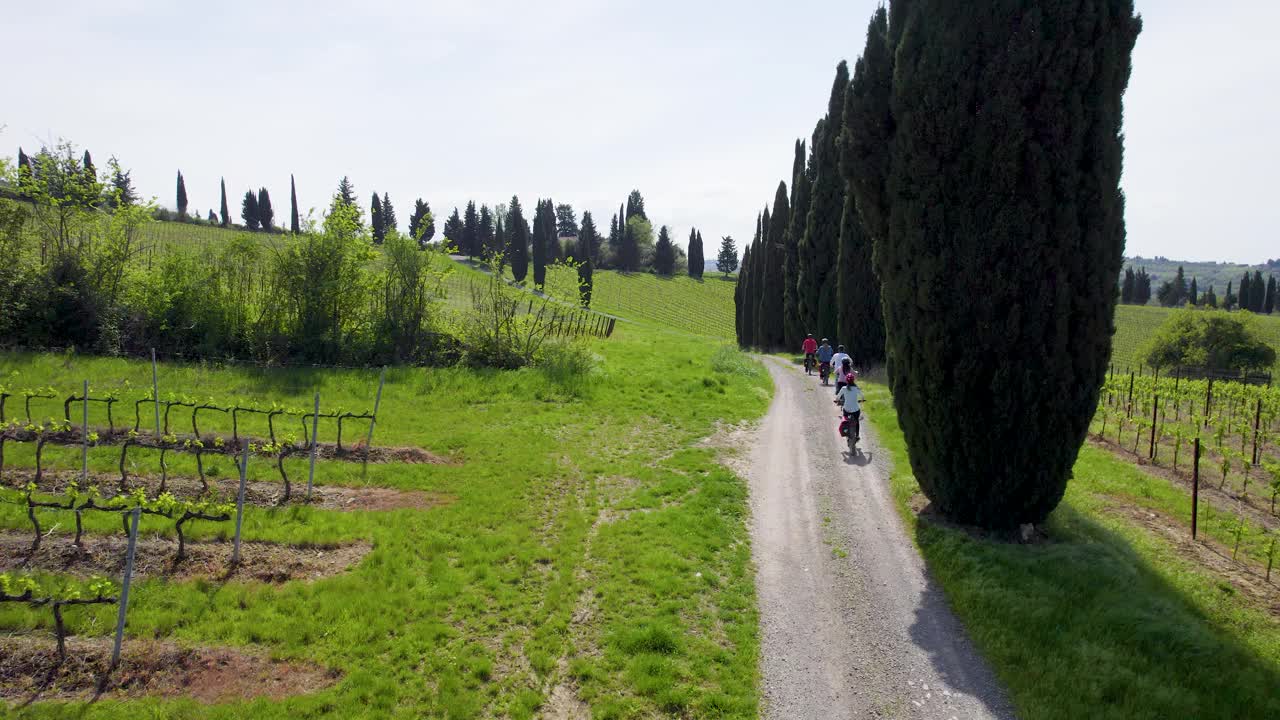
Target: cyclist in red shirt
[810,348]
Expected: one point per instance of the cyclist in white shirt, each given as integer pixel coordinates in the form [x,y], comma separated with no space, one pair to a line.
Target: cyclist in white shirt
[837,366]
[851,396]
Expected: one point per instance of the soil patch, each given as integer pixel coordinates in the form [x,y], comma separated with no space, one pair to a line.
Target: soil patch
[258,493]
[29,672]
[154,557]
[1208,553]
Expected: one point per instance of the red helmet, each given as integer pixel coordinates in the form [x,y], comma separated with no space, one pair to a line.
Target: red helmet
[848,378]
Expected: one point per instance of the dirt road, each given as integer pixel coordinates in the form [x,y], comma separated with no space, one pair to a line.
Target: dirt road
[852,625]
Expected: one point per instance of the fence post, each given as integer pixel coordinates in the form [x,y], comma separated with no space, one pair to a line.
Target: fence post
[1129,407]
[85,440]
[244,471]
[1208,399]
[609,331]
[1195,487]
[124,586]
[377,401]
[315,424]
[1257,420]
[1155,408]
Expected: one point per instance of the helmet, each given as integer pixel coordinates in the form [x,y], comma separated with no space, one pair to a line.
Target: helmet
[809,335]
[841,348]
[849,378]
[825,340]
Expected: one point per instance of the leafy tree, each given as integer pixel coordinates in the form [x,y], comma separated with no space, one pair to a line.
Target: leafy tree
[588,240]
[1213,339]
[1007,148]
[225,213]
[695,254]
[793,295]
[182,196]
[517,240]
[664,255]
[121,193]
[1173,293]
[249,210]
[470,231]
[566,221]
[212,219]
[295,226]
[24,169]
[90,176]
[1269,305]
[1142,287]
[376,223]
[727,259]
[484,231]
[635,205]
[422,226]
[389,222]
[826,206]
[453,231]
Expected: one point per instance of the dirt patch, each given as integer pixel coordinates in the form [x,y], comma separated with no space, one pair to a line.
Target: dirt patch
[29,672]
[1225,499]
[154,557]
[1208,553]
[257,493]
[733,443]
[564,704]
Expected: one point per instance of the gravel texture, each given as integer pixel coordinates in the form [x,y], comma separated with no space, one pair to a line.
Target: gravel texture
[852,624]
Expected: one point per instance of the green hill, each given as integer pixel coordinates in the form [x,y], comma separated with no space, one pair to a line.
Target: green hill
[1215,274]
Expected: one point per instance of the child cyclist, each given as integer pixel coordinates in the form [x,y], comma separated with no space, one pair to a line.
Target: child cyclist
[850,399]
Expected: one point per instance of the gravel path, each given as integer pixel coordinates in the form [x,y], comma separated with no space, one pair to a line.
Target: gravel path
[852,625]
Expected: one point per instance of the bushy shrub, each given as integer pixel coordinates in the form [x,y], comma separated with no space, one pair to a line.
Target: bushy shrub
[1215,339]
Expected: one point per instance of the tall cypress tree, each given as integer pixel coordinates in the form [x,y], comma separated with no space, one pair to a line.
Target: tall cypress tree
[24,172]
[266,215]
[484,231]
[588,239]
[1258,289]
[739,301]
[664,254]
[696,260]
[864,163]
[182,196]
[1210,298]
[826,205]
[470,231]
[1007,149]
[499,256]
[539,242]
[794,296]
[517,240]
[375,220]
[249,210]
[224,214]
[615,237]
[1245,296]
[294,226]
[1193,296]
[1229,300]
[775,282]
[1127,287]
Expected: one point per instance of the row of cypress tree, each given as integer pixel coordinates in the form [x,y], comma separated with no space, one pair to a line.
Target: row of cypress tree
[967,173]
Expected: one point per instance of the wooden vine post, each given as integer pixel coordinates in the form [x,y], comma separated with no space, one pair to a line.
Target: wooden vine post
[315,424]
[136,513]
[1155,408]
[84,434]
[1208,400]
[377,401]
[1257,421]
[244,467]
[1195,487]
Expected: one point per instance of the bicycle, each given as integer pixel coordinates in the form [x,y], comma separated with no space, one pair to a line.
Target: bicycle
[809,361]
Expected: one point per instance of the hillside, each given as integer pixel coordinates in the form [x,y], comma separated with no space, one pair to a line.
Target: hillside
[1207,274]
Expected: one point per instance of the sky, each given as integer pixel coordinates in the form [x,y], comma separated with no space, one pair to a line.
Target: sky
[696,104]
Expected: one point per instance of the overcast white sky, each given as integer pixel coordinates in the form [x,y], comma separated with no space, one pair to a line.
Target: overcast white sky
[697,104]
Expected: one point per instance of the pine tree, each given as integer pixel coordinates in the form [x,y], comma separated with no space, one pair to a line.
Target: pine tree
[1007,149]
[346,196]
[295,226]
[1258,292]
[727,258]
[1127,287]
[517,240]
[453,231]
[389,222]
[422,226]
[249,210]
[615,237]
[224,213]
[826,206]
[793,295]
[1193,296]
[635,205]
[266,216]
[212,219]
[566,221]
[773,330]
[664,254]
[588,240]
[1269,305]
[470,231]
[24,172]
[122,192]
[484,231]
[182,196]
[376,225]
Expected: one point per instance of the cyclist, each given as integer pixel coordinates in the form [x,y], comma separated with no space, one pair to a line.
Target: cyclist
[824,360]
[850,398]
[837,364]
[810,349]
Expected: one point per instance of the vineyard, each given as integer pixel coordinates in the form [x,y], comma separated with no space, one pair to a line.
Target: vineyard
[1220,437]
[1136,324]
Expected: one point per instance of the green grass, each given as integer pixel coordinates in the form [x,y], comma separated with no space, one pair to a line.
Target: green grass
[1135,324]
[1106,620]
[589,501]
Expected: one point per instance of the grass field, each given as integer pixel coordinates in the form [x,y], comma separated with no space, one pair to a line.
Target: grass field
[592,544]
[1107,618]
[1135,324]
